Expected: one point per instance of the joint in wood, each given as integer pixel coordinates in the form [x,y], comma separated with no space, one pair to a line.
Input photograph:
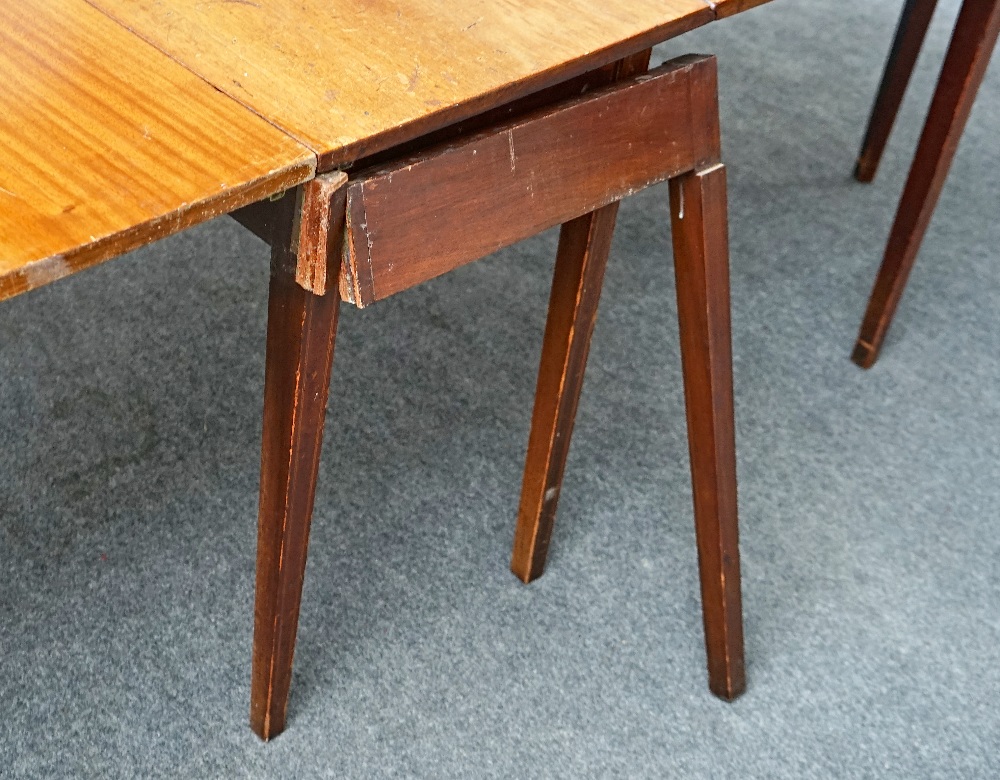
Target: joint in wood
[321,221]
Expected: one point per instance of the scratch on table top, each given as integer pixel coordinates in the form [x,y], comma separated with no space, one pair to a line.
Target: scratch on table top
[414,78]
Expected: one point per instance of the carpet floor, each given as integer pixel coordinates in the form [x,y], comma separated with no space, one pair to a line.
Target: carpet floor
[130,401]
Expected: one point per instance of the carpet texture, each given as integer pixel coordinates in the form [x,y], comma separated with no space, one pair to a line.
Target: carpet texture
[130,401]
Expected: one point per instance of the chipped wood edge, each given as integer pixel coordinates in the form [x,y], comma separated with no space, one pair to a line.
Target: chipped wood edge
[358,283]
[315,225]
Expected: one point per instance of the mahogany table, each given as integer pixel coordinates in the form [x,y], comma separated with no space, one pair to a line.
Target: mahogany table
[374,145]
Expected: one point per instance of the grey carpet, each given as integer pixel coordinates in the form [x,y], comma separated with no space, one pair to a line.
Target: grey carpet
[129,427]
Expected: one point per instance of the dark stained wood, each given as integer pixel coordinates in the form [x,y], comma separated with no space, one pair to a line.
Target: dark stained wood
[321,230]
[426,215]
[631,66]
[910,34]
[261,217]
[300,338]
[968,56]
[701,259]
[200,154]
[584,244]
[700,234]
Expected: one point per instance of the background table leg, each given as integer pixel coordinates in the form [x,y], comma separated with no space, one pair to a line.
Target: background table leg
[964,67]
[910,34]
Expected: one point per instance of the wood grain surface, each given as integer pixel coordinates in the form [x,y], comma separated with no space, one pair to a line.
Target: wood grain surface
[420,217]
[353,77]
[584,244]
[107,144]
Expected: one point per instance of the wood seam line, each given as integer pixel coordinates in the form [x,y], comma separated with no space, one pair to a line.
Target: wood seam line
[225,95]
[317,156]
[368,247]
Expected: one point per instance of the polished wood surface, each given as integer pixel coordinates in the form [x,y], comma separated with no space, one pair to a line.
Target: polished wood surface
[106,144]
[352,77]
[301,327]
[906,45]
[348,81]
[701,261]
[969,53]
[419,217]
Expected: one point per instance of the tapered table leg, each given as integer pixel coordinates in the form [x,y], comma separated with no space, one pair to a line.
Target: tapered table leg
[910,34]
[301,327]
[584,244]
[576,290]
[965,65]
[701,257]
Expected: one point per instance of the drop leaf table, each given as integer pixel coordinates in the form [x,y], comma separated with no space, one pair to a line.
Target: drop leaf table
[375,145]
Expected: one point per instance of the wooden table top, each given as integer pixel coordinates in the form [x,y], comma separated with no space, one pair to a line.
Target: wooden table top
[122,121]
[106,144]
[353,77]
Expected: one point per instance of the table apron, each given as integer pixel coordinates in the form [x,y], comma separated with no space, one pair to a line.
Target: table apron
[413,219]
